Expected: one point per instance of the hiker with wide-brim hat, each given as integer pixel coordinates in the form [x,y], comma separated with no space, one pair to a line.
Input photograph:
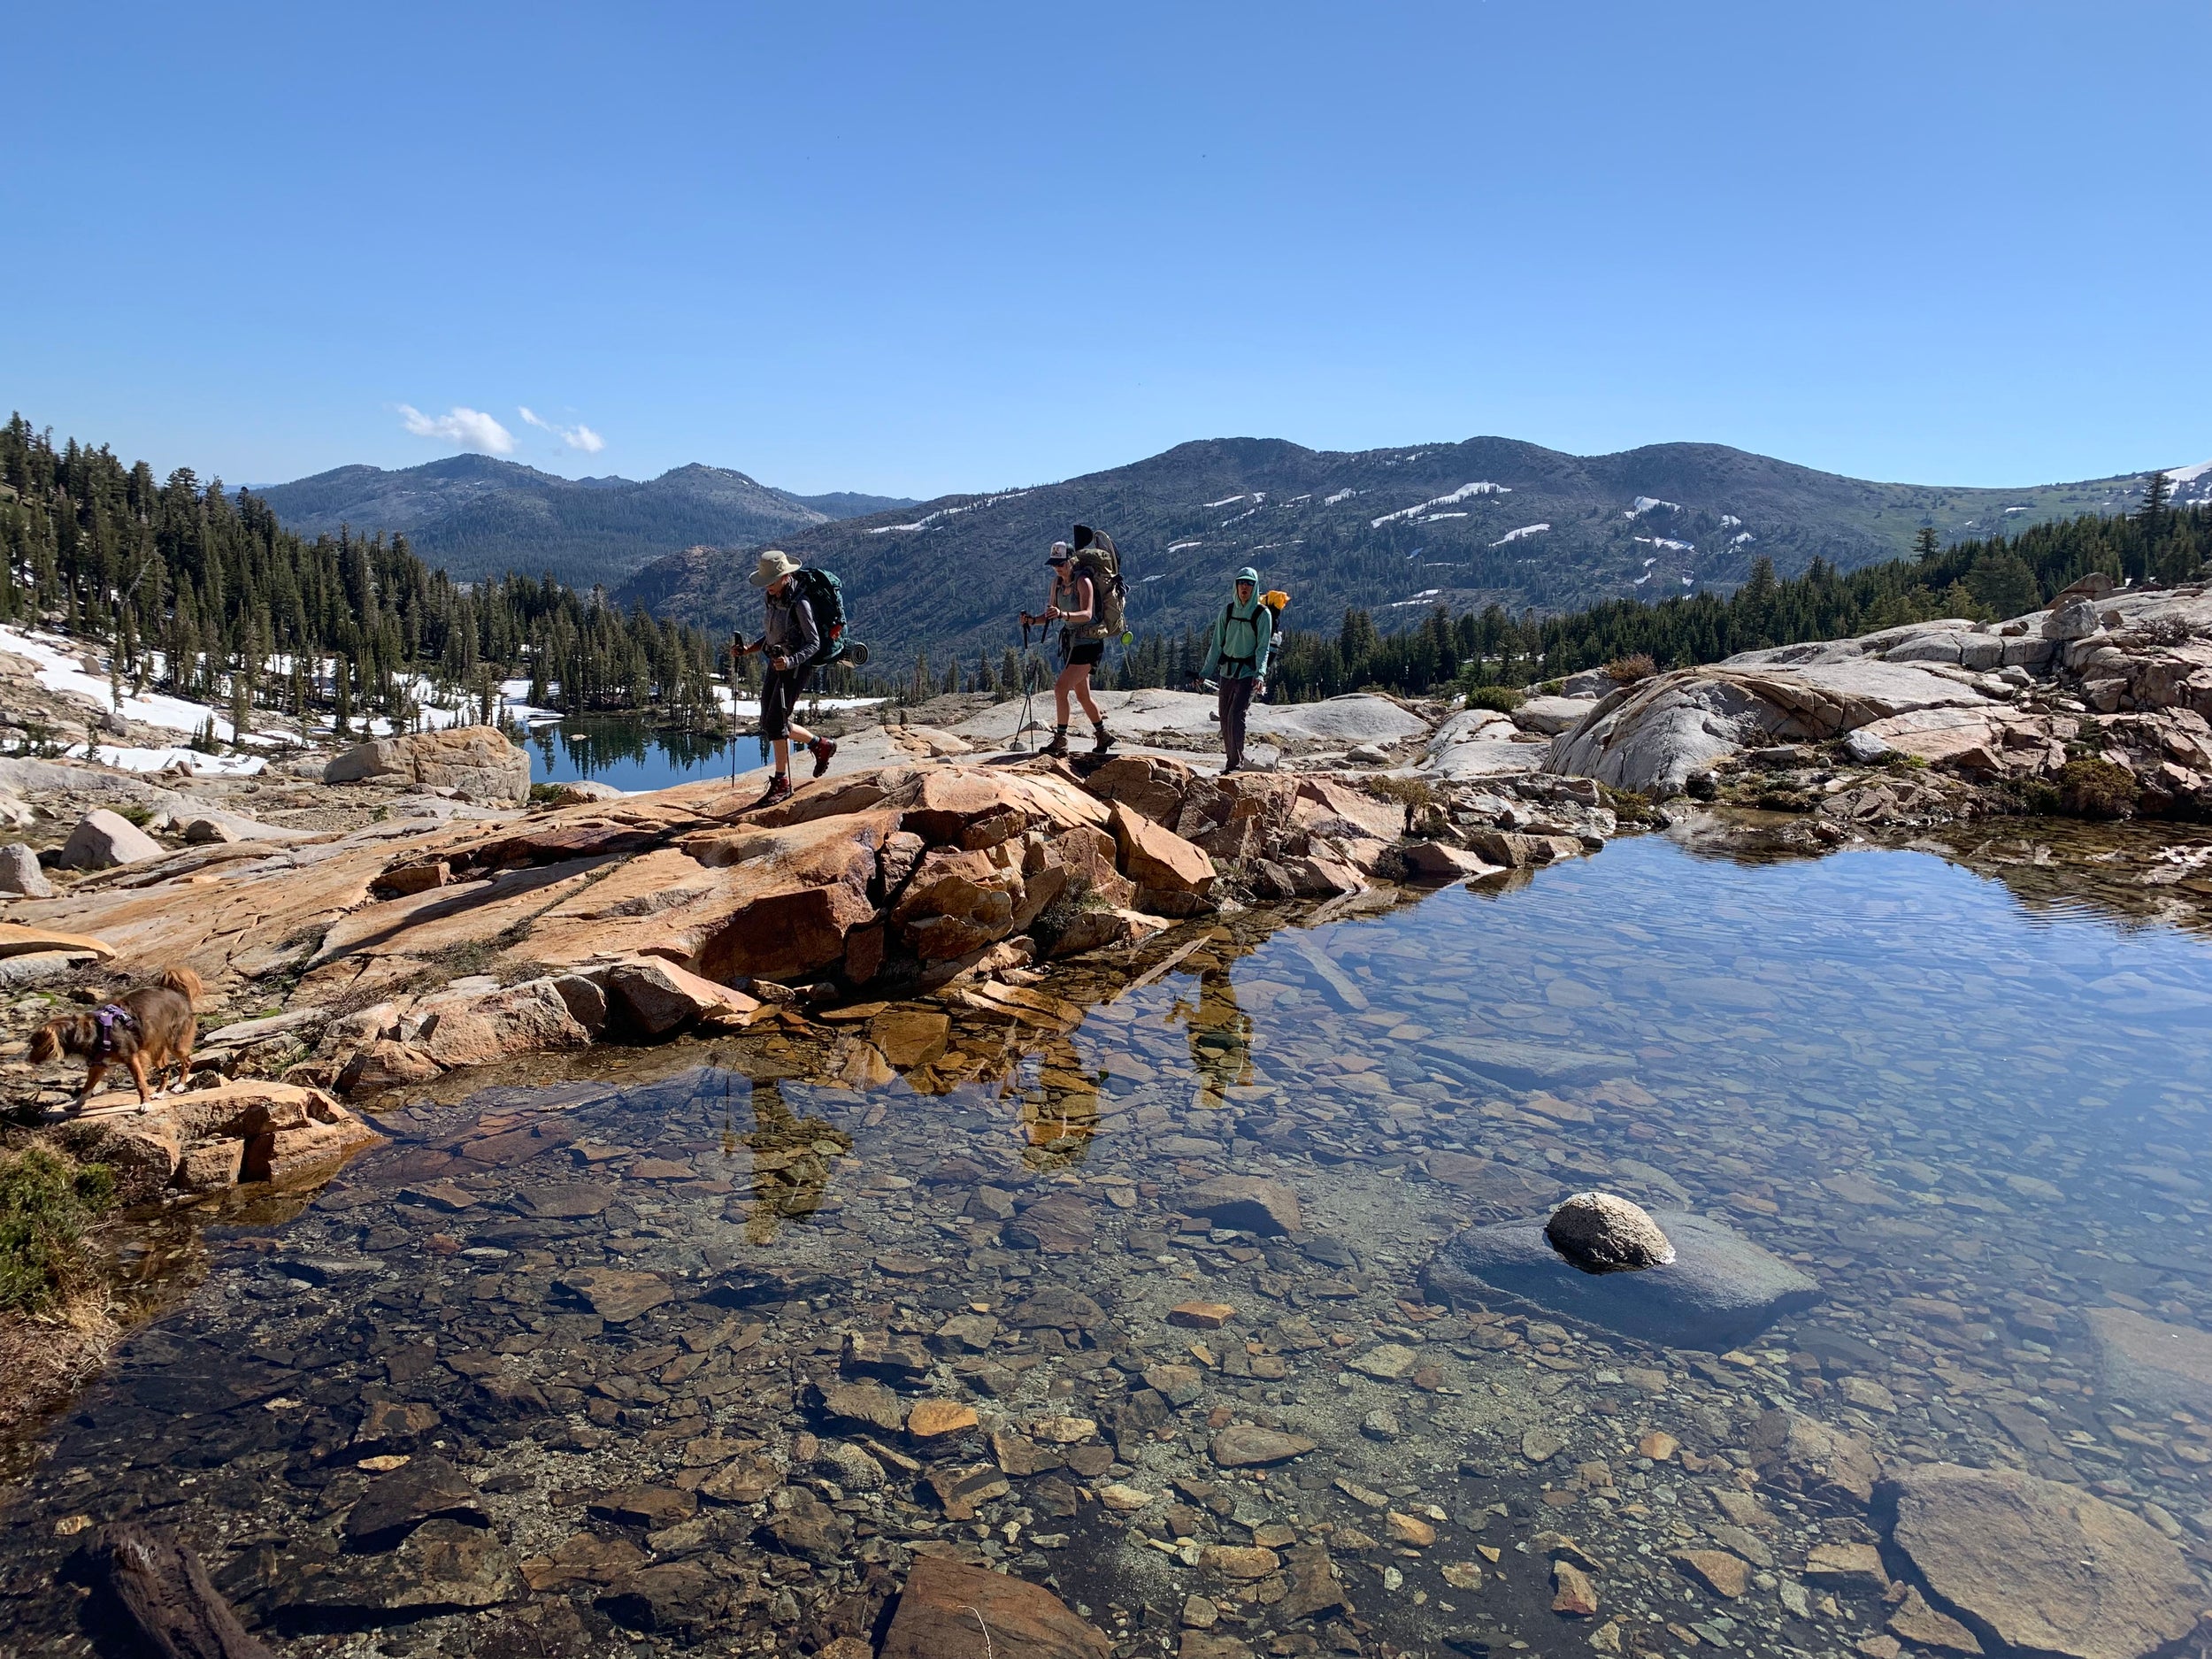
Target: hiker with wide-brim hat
[1073,602]
[792,641]
[1236,657]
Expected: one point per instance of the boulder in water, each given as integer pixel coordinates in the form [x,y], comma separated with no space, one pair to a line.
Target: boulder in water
[1720,1290]
[1600,1233]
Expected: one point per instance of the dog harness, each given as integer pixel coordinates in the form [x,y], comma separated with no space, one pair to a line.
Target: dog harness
[108,1016]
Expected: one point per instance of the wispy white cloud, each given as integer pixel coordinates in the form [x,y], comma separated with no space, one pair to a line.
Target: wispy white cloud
[576,437]
[471,428]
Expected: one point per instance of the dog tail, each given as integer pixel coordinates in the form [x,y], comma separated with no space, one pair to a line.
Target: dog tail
[45,1045]
[183,979]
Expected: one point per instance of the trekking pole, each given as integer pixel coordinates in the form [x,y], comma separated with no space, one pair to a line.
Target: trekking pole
[1029,680]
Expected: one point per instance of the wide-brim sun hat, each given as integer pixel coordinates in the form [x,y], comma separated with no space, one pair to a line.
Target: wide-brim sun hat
[775,564]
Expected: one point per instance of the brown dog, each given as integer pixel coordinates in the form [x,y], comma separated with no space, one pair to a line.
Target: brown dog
[151,1026]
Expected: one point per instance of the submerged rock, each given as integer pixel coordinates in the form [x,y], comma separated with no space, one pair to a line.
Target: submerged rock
[949,1609]
[1720,1290]
[1601,1233]
[2046,1566]
[2150,1363]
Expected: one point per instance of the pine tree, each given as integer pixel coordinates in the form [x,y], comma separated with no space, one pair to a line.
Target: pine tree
[2151,514]
[1925,545]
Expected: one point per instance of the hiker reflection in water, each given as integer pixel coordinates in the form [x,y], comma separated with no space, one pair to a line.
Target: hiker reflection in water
[792,1160]
[1059,1112]
[1220,1034]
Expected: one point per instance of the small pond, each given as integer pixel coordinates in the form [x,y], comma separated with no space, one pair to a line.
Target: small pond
[650,1326]
[633,755]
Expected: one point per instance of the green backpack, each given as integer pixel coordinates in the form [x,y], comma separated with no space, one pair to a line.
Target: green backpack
[1097,558]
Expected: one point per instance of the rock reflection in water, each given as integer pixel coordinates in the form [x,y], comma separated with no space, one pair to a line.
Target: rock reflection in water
[718,1341]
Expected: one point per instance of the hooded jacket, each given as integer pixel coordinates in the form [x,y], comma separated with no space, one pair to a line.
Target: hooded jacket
[1243,636]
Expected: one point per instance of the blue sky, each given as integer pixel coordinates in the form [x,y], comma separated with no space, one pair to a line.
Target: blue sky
[915,249]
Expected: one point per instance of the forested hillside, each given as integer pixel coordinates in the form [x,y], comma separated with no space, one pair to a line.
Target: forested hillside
[474,516]
[205,593]
[1395,532]
[1984,580]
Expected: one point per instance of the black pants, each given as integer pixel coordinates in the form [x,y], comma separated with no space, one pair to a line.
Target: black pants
[1235,698]
[780,694]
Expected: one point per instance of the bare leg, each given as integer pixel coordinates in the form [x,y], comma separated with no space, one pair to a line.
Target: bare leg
[1070,678]
[800,735]
[1083,694]
[783,756]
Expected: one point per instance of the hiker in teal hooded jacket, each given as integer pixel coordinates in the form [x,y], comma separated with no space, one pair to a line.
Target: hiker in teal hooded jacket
[1236,657]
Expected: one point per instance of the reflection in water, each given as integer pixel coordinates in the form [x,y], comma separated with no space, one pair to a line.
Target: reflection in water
[634,753]
[620,1295]
[792,1161]
[1220,1036]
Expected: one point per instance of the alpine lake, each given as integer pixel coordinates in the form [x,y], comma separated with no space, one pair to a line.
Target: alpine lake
[695,1347]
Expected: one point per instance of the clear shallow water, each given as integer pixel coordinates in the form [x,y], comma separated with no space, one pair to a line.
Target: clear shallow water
[1973,1124]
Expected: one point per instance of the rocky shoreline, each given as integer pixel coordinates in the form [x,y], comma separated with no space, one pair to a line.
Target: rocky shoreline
[657,1440]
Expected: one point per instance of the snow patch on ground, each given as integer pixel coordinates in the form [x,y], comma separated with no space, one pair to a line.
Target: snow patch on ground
[1650,503]
[1433,517]
[1342,494]
[1421,598]
[1464,492]
[749,708]
[1525,530]
[926,521]
[1177,547]
[1225,501]
[161,759]
[1671,547]
[1729,521]
[56,661]
[1740,538]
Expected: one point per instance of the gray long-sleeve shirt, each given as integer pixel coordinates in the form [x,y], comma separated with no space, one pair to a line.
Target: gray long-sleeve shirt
[789,628]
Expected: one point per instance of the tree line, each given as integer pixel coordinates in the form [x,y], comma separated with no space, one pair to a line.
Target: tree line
[204,594]
[1984,580]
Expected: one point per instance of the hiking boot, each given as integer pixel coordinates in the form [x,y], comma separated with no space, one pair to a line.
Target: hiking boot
[777,790]
[1058,746]
[821,748]
[1104,739]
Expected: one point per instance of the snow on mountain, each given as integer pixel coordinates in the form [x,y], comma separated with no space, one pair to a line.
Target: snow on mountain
[1525,530]
[1464,493]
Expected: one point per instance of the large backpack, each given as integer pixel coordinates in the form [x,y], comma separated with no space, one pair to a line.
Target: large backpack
[825,596]
[1096,557]
[1274,602]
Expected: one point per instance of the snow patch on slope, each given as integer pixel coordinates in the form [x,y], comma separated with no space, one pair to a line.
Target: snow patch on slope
[1464,493]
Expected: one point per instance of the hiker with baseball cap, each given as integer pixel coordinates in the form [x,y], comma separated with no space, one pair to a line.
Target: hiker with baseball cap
[792,640]
[1074,602]
[1236,657]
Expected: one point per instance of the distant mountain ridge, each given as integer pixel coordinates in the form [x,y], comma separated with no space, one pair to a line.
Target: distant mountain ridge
[1396,531]
[477,516]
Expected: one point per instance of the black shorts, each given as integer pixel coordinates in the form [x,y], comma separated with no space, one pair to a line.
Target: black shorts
[781,690]
[1084,653]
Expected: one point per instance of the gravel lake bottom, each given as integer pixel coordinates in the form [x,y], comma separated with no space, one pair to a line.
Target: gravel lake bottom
[1130,1290]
